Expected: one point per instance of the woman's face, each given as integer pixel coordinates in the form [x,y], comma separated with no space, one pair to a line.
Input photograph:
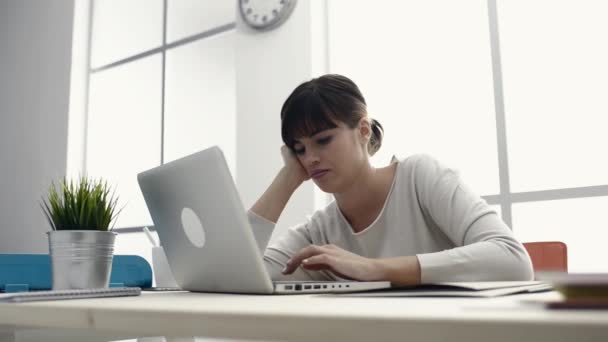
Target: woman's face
[333,158]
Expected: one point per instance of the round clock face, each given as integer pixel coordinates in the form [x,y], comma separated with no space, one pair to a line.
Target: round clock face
[265,14]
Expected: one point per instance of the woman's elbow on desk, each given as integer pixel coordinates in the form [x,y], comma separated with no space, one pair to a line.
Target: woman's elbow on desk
[523,269]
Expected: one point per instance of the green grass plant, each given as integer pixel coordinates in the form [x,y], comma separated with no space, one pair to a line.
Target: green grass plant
[87,204]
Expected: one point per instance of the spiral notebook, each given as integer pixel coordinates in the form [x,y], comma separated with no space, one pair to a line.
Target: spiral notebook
[20,297]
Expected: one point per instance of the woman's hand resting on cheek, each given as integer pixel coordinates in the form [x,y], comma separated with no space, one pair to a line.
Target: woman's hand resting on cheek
[293,166]
[335,259]
[271,204]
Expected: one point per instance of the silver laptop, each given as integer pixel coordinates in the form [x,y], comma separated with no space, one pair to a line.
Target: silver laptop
[203,226]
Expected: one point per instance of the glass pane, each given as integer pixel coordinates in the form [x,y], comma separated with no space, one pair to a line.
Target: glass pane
[554,65]
[134,244]
[124,131]
[122,28]
[580,223]
[200,98]
[425,70]
[189,17]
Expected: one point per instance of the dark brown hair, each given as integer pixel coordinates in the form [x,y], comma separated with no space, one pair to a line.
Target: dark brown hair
[317,105]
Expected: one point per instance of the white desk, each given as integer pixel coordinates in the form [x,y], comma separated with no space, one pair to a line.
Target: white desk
[308,317]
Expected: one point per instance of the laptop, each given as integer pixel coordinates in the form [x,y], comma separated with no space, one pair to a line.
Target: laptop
[206,235]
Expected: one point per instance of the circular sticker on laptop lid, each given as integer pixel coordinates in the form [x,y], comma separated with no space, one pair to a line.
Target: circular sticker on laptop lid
[193,227]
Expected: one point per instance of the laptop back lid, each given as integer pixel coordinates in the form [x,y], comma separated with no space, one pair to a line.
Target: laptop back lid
[203,226]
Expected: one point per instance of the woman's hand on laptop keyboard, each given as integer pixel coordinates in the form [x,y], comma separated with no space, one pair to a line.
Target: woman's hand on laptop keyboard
[337,260]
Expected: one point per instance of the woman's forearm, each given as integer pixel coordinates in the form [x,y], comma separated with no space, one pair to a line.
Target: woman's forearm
[271,204]
[400,271]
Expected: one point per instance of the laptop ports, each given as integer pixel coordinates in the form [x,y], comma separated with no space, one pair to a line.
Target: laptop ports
[298,287]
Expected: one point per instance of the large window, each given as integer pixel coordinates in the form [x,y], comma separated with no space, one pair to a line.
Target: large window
[161,85]
[428,80]
[510,92]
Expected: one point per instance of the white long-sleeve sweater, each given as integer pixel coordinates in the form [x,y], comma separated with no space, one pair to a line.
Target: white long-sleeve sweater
[429,212]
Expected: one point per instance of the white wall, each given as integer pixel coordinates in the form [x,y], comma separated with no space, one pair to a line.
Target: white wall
[35,53]
[269,65]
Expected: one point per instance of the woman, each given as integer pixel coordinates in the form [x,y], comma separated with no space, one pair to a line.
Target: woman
[410,222]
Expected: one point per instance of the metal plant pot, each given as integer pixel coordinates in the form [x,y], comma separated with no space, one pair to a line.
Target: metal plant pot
[81,259]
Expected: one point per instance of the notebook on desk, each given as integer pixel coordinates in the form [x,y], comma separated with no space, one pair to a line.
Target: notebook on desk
[486,289]
[31,296]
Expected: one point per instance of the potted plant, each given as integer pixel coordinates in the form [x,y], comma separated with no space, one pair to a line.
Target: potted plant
[81,243]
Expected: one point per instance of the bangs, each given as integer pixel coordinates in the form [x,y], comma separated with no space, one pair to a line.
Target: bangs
[305,116]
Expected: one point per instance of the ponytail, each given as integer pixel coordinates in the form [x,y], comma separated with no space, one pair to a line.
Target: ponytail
[375,140]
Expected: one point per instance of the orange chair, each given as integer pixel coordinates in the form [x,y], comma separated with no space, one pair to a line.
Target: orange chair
[548,255]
